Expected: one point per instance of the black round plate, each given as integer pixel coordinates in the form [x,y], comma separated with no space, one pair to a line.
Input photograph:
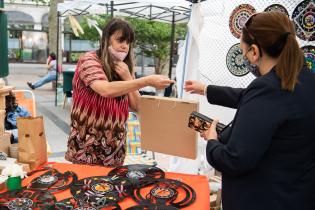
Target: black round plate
[234,61]
[277,8]
[303,17]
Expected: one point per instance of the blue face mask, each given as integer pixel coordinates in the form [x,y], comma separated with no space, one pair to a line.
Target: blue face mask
[252,68]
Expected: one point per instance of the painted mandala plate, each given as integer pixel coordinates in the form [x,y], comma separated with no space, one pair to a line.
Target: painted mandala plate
[234,61]
[309,52]
[303,17]
[238,18]
[277,8]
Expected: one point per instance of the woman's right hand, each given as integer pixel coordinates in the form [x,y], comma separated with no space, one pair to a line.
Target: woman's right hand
[194,87]
[158,81]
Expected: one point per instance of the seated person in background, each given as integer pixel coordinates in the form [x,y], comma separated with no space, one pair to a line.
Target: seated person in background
[12,112]
[50,76]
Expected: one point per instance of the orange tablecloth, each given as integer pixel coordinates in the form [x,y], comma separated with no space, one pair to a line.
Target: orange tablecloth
[198,183]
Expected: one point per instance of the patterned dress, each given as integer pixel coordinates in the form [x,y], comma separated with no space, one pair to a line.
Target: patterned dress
[98,134]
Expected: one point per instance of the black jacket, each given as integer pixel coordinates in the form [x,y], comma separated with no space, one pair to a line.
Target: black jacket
[267,156]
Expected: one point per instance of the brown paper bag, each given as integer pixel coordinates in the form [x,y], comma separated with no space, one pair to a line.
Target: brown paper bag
[32,141]
[5,143]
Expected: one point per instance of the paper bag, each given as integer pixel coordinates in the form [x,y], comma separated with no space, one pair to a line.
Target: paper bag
[163,123]
[32,141]
[5,143]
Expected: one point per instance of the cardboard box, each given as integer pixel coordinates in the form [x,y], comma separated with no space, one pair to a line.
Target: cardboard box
[5,143]
[164,126]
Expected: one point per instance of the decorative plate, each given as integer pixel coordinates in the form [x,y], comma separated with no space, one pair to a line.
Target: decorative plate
[304,18]
[309,52]
[238,18]
[277,8]
[234,61]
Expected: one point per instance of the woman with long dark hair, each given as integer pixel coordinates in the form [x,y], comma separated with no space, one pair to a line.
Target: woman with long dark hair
[104,88]
[267,154]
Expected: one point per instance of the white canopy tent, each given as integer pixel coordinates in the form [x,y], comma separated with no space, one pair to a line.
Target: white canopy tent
[149,9]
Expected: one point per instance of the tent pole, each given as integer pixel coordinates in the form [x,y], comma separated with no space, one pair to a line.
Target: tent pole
[57,61]
[172,46]
[112,9]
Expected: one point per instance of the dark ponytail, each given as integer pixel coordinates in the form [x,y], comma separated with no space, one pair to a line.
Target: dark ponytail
[290,63]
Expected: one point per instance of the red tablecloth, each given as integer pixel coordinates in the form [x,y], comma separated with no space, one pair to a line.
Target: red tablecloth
[198,183]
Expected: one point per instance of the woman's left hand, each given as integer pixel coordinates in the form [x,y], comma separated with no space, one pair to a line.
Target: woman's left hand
[211,133]
[122,70]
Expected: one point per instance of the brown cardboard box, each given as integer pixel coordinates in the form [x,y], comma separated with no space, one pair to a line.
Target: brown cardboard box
[164,129]
[5,143]
[2,116]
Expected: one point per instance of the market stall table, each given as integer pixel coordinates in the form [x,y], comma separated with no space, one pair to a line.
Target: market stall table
[198,183]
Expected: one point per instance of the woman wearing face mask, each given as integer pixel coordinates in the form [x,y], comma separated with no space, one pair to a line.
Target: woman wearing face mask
[267,156]
[104,88]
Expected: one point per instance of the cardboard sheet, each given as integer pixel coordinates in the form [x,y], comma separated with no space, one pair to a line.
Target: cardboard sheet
[164,126]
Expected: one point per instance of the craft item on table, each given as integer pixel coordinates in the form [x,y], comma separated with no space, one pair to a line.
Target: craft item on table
[234,61]
[53,181]
[139,175]
[101,191]
[303,17]
[26,199]
[238,18]
[76,28]
[71,203]
[165,192]
[3,156]
[152,207]
[309,53]
[277,8]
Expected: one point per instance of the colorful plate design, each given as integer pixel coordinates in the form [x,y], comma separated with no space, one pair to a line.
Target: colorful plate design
[234,61]
[309,52]
[277,8]
[304,18]
[238,18]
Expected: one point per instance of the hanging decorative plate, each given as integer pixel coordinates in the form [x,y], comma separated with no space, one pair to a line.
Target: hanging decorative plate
[277,8]
[309,52]
[304,18]
[238,18]
[234,61]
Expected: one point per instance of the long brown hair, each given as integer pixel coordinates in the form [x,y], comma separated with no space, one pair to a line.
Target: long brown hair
[274,34]
[127,34]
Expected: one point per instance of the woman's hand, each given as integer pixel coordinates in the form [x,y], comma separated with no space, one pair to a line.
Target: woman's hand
[194,87]
[122,70]
[158,81]
[211,133]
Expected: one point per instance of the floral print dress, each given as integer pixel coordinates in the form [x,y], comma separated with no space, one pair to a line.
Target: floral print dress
[98,133]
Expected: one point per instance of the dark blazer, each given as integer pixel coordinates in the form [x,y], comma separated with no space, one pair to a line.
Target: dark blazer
[267,156]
